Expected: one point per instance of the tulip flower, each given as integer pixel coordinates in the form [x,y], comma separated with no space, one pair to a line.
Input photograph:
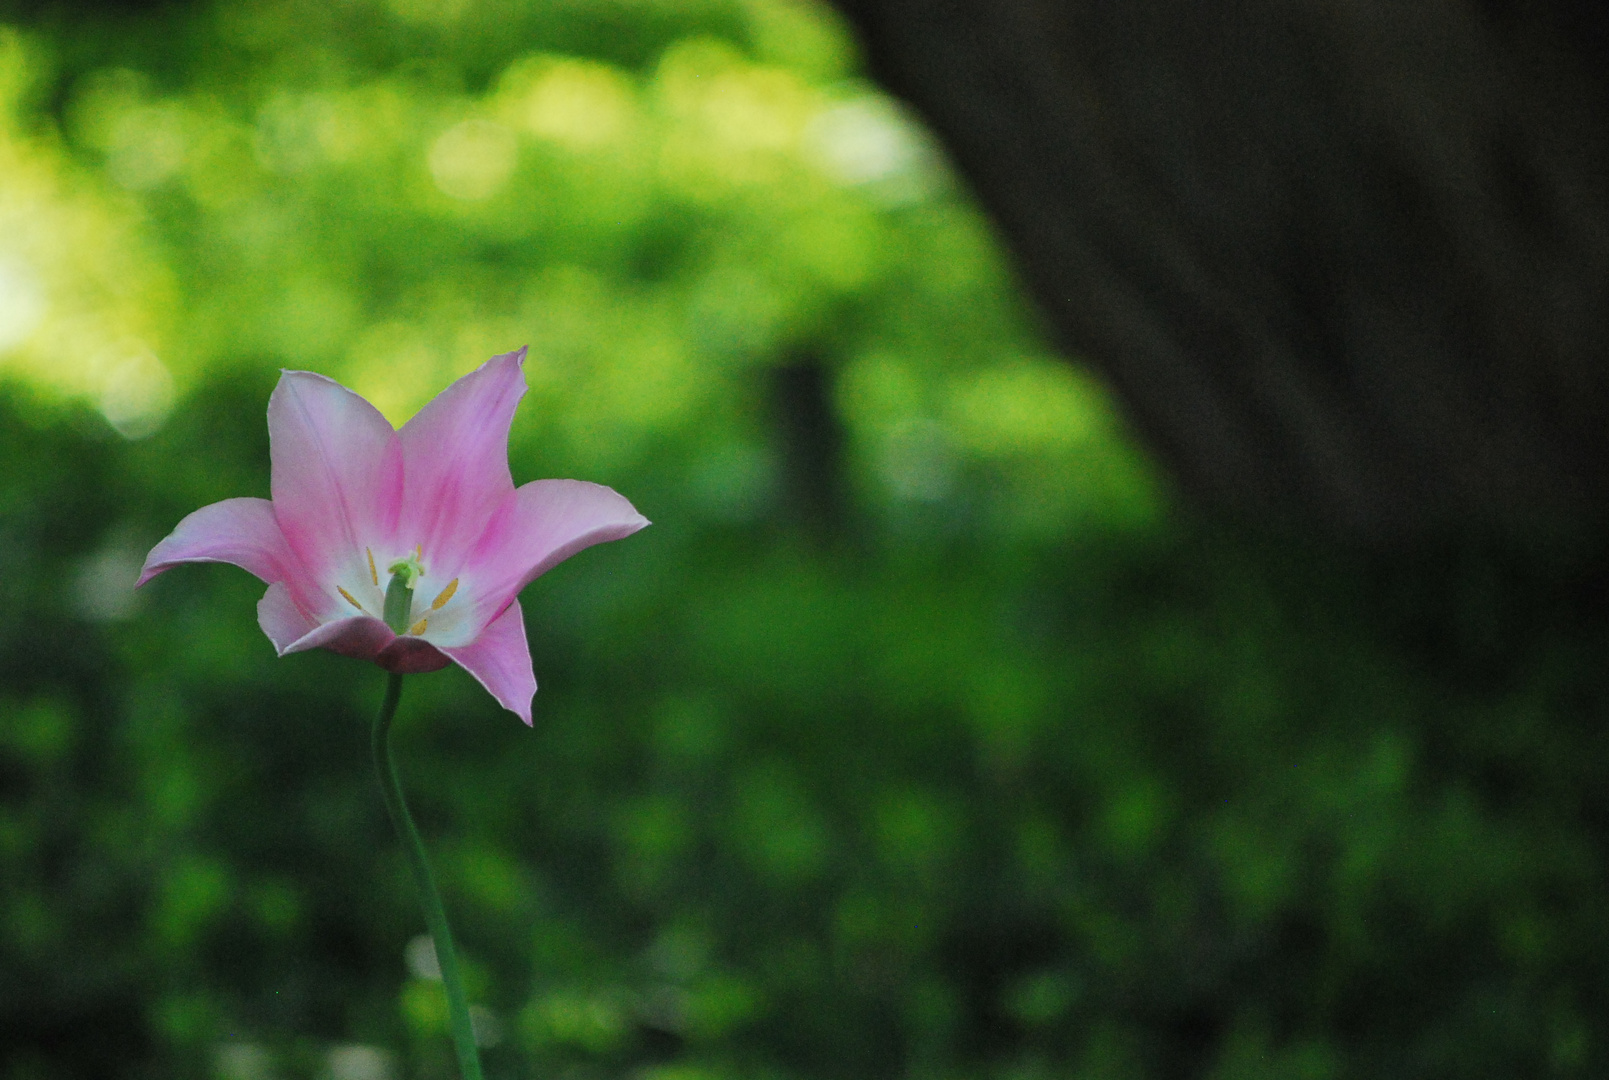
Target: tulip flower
[408,548]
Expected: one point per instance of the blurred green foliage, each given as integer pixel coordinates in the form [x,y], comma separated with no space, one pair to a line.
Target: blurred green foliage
[918,737]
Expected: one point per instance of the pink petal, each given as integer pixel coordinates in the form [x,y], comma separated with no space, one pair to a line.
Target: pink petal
[239,531]
[361,636]
[337,480]
[455,461]
[541,525]
[411,655]
[500,660]
[281,619]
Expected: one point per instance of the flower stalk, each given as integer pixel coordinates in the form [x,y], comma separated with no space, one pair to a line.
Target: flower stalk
[463,1030]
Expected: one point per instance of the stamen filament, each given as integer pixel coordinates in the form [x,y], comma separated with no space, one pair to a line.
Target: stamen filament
[445,595]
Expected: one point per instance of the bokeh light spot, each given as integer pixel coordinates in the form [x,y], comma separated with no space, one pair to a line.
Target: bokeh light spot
[137,395]
[473,160]
[22,301]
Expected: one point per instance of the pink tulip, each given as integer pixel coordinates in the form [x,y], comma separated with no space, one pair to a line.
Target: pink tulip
[408,548]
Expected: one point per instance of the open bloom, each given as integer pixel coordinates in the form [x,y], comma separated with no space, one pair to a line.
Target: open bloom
[410,547]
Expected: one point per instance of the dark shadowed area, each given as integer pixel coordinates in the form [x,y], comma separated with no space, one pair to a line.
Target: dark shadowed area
[1345,261]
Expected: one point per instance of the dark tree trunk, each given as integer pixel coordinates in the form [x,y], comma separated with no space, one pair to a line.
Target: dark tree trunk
[1346,262]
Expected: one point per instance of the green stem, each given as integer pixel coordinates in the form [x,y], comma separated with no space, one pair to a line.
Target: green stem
[429,898]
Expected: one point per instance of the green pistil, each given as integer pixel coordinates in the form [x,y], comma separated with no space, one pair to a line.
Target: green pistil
[399,594]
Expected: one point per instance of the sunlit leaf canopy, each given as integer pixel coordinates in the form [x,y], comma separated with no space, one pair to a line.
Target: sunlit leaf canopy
[662,200]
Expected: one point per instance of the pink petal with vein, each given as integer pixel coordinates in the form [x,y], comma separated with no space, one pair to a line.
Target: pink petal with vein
[455,462]
[337,475]
[500,660]
[361,636]
[239,531]
[281,619]
[541,525]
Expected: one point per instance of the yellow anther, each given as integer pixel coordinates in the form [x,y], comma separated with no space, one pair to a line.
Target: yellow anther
[349,599]
[446,595]
[419,627]
[373,573]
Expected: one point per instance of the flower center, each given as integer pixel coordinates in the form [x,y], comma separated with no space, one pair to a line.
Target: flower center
[397,611]
[399,594]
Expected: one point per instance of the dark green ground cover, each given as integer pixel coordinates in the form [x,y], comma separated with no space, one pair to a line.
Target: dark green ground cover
[1117,805]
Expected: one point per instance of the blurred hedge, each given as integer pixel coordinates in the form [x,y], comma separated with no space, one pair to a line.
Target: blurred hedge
[916,737]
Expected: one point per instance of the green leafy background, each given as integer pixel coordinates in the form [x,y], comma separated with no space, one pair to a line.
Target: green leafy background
[921,736]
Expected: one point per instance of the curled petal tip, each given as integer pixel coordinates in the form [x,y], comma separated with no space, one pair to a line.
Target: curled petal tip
[500,660]
[240,531]
[516,357]
[544,523]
